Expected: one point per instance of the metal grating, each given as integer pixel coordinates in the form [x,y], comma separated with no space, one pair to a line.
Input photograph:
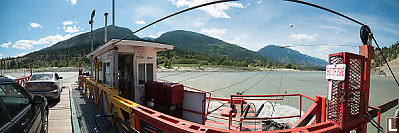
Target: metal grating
[355,85]
[347,97]
[334,104]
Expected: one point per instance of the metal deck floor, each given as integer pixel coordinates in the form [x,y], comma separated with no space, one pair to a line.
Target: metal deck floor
[86,113]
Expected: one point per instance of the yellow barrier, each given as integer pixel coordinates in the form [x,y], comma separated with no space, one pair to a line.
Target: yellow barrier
[96,91]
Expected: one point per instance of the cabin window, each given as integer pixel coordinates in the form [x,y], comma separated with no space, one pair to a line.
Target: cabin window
[146,72]
[141,73]
[100,72]
[149,72]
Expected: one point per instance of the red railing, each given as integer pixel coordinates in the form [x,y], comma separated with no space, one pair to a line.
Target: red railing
[267,98]
[22,80]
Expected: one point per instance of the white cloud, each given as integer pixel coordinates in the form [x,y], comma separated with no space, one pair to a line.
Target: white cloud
[70,29]
[21,54]
[73,2]
[198,24]
[216,33]
[157,35]
[67,22]
[24,44]
[259,1]
[28,44]
[303,37]
[217,10]
[35,25]
[140,22]
[5,45]
[1,54]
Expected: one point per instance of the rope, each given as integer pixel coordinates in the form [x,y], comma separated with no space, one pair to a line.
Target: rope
[195,77]
[235,83]
[256,83]
[382,54]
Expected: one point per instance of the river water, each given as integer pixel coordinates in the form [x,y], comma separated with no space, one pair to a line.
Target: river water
[223,84]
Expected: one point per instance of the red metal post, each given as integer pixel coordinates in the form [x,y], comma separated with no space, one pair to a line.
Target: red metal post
[80,69]
[368,52]
[30,70]
[300,106]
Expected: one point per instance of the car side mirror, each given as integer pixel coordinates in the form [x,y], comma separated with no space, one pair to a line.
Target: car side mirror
[60,78]
[38,99]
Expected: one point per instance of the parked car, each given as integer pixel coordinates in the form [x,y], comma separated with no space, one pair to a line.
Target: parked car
[45,84]
[19,111]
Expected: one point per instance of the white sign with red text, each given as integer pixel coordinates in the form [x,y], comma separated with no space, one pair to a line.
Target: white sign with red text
[335,72]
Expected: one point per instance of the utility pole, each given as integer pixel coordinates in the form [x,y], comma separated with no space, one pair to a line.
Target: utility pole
[113,12]
[91,37]
[105,34]
[91,28]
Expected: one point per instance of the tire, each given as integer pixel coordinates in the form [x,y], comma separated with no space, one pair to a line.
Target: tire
[58,99]
[45,121]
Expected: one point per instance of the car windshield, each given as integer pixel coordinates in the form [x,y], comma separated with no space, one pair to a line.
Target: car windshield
[41,77]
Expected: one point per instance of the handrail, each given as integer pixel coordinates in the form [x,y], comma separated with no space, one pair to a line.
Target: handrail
[138,113]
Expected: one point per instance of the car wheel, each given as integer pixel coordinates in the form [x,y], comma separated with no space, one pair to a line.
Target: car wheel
[45,121]
[58,99]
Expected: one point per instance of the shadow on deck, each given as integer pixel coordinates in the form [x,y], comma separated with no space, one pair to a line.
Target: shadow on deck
[87,112]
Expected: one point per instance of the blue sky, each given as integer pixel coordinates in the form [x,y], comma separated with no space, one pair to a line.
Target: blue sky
[30,25]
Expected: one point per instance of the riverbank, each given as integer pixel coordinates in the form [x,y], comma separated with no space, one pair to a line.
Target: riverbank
[160,69]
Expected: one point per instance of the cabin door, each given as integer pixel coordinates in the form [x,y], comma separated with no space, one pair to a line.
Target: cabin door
[145,73]
[126,76]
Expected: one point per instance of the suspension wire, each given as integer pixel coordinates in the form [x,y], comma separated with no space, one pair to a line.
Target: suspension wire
[278,92]
[386,62]
[235,83]
[171,15]
[256,83]
[326,9]
[349,18]
[195,77]
[311,45]
[172,75]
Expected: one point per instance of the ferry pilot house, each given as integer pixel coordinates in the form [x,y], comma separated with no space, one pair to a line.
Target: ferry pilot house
[127,66]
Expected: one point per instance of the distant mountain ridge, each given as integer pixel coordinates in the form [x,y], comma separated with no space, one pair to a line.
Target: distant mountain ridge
[84,40]
[190,48]
[287,55]
[205,44]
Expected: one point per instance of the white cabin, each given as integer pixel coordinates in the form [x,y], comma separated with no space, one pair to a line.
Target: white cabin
[127,66]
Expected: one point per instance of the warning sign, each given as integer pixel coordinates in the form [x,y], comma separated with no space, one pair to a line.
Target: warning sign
[335,72]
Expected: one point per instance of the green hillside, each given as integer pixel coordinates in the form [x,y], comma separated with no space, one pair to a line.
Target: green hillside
[205,44]
[68,52]
[390,53]
[190,48]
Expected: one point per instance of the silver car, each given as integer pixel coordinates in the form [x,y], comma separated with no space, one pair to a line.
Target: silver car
[45,84]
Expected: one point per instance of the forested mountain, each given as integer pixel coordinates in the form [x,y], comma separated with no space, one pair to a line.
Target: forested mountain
[190,48]
[68,52]
[205,44]
[390,53]
[287,55]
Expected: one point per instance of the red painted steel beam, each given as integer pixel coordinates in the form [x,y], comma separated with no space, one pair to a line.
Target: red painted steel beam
[368,52]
